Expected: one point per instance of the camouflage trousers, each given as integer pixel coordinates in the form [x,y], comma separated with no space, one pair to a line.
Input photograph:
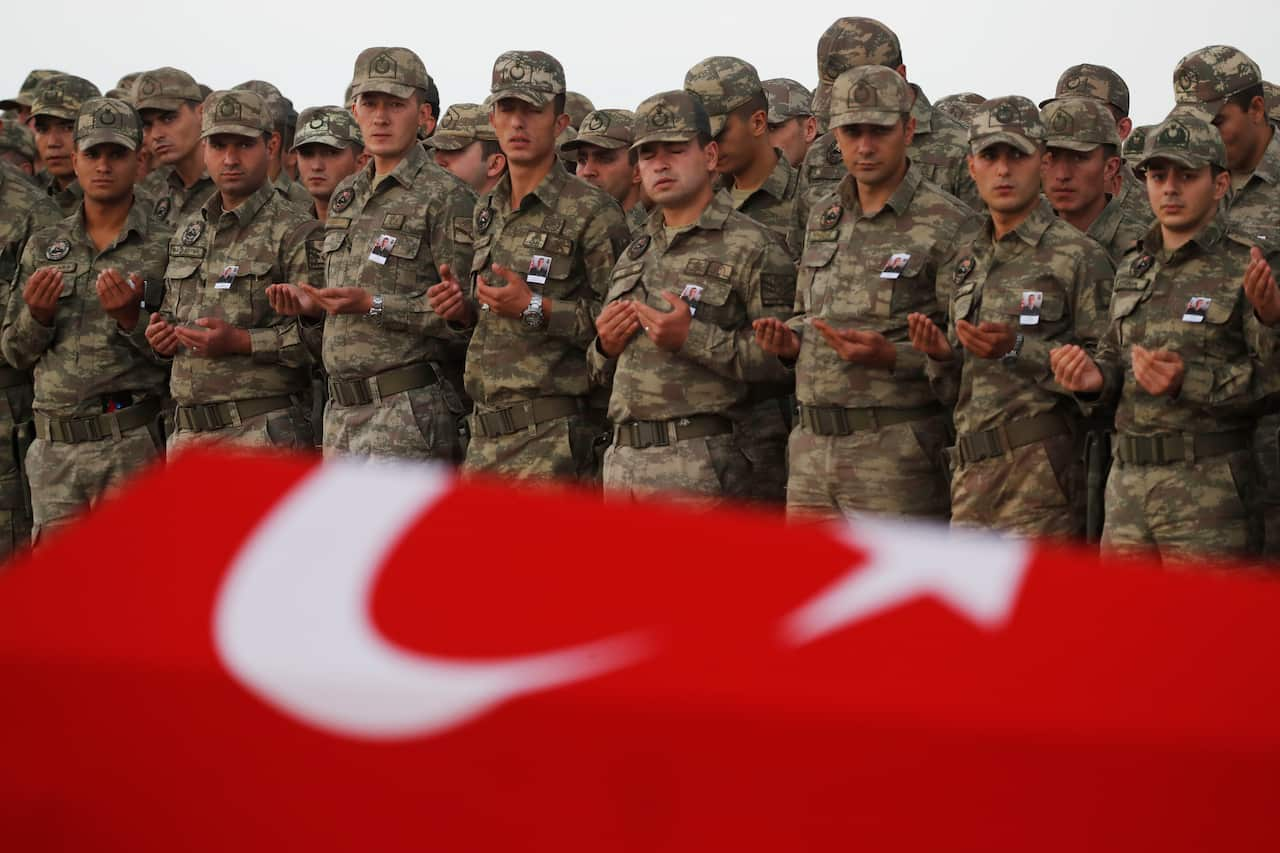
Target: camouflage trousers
[1182,509]
[1034,490]
[421,423]
[705,471]
[895,470]
[284,429]
[761,431]
[1266,451]
[67,478]
[561,448]
[15,516]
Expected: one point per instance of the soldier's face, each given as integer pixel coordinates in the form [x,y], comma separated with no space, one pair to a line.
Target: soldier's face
[738,141]
[794,136]
[389,124]
[1008,179]
[609,169]
[237,164]
[875,154]
[468,163]
[171,134]
[674,173]
[526,134]
[1184,199]
[55,142]
[107,172]
[1244,133]
[322,167]
[1076,181]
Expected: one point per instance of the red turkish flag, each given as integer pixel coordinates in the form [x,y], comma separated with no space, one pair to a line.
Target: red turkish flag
[262,653]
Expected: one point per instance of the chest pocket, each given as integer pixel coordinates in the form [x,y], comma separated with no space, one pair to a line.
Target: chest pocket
[909,292]
[962,305]
[481,257]
[400,274]
[240,303]
[331,247]
[542,244]
[816,273]
[624,280]
[1005,304]
[717,303]
[183,291]
[1220,338]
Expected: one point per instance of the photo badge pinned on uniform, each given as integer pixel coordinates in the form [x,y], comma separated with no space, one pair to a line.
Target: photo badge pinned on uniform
[229,273]
[1032,302]
[895,265]
[691,294]
[58,250]
[963,269]
[382,249]
[539,269]
[1197,308]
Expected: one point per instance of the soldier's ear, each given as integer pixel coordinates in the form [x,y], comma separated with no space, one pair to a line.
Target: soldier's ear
[712,155]
[1111,169]
[1125,127]
[426,120]
[909,128]
[810,129]
[1221,185]
[562,121]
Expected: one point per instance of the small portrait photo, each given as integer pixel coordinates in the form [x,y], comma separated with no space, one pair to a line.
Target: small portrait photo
[382,249]
[1032,302]
[895,265]
[1197,308]
[539,269]
[229,273]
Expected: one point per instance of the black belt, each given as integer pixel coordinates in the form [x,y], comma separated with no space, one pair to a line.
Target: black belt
[836,420]
[95,427]
[1177,447]
[213,416]
[997,441]
[524,415]
[361,392]
[641,434]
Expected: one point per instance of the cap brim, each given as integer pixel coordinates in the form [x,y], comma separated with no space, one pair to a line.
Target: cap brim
[880,118]
[449,141]
[1017,140]
[382,87]
[321,139]
[65,115]
[1180,158]
[532,97]
[14,103]
[1206,111]
[1071,144]
[233,130]
[717,123]
[667,136]
[166,104]
[105,137]
[591,139]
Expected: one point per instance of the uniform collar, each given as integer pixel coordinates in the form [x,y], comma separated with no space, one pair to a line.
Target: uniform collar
[404,173]
[248,209]
[137,222]
[1030,230]
[712,218]
[1204,240]
[1104,227]
[1268,168]
[547,191]
[899,201]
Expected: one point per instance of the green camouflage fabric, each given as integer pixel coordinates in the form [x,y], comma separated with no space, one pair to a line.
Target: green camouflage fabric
[1132,197]
[773,203]
[16,137]
[1012,120]
[853,41]
[869,94]
[60,96]
[174,201]
[108,120]
[236,112]
[1256,198]
[1092,81]
[281,107]
[165,89]
[637,217]
[1185,140]
[1116,230]
[577,106]
[327,125]
[28,89]
[723,84]
[1272,93]
[696,473]
[124,87]
[1205,78]
[293,192]
[676,116]
[960,106]
[1131,148]
[266,240]
[787,98]
[395,71]
[66,198]
[461,125]
[530,75]
[610,129]
[1079,124]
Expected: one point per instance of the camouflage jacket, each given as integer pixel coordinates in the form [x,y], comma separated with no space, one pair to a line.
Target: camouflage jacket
[1044,257]
[582,230]
[772,204]
[1133,198]
[23,210]
[67,200]
[1116,230]
[175,202]
[1257,201]
[293,192]
[637,217]
[1189,301]
[846,279]
[739,271]
[84,355]
[426,213]
[265,238]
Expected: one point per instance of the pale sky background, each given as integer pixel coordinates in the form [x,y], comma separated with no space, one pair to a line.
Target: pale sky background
[620,53]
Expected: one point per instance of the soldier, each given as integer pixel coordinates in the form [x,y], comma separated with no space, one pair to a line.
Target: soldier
[240,370]
[394,229]
[18,147]
[871,432]
[53,114]
[466,145]
[1132,150]
[284,119]
[675,337]
[576,106]
[76,320]
[1028,283]
[960,106]
[328,144]
[1081,164]
[21,102]
[605,160]
[1179,356]
[171,107]
[545,245]
[792,124]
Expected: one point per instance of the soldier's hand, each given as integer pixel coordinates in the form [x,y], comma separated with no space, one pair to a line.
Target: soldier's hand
[41,294]
[162,336]
[986,340]
[616,326]
[1159,372]
[870,348]
[507,300]
[340,300]
[448,300]
[775,338]
[1074,370]
[1260,288]
[289,300]
[667,329]
[927,338]
[214,339]
[121,298]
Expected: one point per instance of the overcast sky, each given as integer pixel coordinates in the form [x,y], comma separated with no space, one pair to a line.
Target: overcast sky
[620,53]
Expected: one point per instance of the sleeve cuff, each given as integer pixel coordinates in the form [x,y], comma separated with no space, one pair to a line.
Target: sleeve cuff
[264,345]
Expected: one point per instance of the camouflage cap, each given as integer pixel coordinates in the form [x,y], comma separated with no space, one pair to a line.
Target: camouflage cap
[60,96]
[236,111]
[461,125]
[1011,119]
[1272,94]
[822,105]
[788,99]
[960,106]
[16,137]
[28,89]
[1184,139]
[395,71]
[869,94]
[1092,81]
[281,107]
[605,129]
[165,89]
[328,125]
[108,121]
[1204,79]
[578,107]
[851,42]
[1134,143]
[723,83]
[1079,124]
[530,75]
[676,116]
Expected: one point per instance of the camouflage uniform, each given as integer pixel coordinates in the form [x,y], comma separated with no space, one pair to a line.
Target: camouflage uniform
[960,106]
[282,118]
[17,138]
[1016,462]
[263,398]
[332,126]
[1272,94]
[461,125]
[168,89]
[577,106]
[611,129]
[97,396]
[787,99]
[60,97]
[27,91]
[528,376]
[1131,150]
[1182,479]
[870,439]
[669,409]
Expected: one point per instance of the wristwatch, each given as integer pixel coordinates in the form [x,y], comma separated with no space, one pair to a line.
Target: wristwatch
[1010,359]
[375,310]
[532,315]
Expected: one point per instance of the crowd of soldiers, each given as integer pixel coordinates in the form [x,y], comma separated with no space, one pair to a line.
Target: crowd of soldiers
[1033,318]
